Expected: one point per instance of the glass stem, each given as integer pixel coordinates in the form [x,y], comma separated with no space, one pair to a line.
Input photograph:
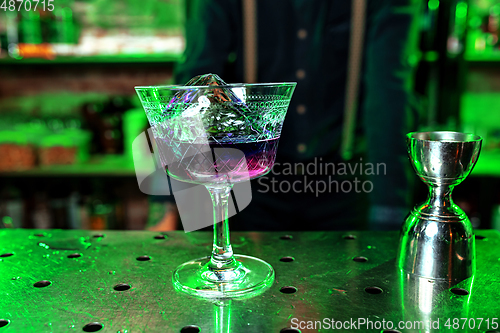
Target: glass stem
[222,252]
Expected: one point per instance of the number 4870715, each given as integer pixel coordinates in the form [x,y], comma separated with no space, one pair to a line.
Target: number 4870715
[471,323]
[27,5]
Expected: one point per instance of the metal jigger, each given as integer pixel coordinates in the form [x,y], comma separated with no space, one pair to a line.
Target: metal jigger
[437,239]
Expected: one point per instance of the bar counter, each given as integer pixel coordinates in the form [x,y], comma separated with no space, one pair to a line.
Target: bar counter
[120,281]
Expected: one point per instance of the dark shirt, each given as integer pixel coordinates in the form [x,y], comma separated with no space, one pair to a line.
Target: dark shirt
[307,41]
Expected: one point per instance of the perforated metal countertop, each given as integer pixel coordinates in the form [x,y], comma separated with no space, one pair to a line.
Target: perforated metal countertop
[73,281]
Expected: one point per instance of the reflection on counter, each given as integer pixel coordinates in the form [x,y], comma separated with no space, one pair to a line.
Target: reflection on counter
[432,305]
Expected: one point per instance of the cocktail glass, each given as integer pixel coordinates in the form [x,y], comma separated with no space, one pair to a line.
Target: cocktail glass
[218,136]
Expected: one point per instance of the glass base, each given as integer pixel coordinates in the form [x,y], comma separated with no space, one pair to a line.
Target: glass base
[248,277]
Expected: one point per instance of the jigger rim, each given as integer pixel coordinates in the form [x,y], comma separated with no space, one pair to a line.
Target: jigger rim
[208,87]
[443,136]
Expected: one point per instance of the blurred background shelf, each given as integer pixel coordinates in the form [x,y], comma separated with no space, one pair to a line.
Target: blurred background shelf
[74,69]
[105,165]
[100,59]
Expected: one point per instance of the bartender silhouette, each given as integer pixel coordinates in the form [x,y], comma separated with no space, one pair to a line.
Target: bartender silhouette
[361,71]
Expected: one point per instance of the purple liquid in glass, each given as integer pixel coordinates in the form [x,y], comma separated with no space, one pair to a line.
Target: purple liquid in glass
[195,162]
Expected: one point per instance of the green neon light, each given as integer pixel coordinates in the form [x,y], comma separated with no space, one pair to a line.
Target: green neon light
[433,4]
[431,56]
[495,10]
[475,22]
[461,11]
[7,220]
